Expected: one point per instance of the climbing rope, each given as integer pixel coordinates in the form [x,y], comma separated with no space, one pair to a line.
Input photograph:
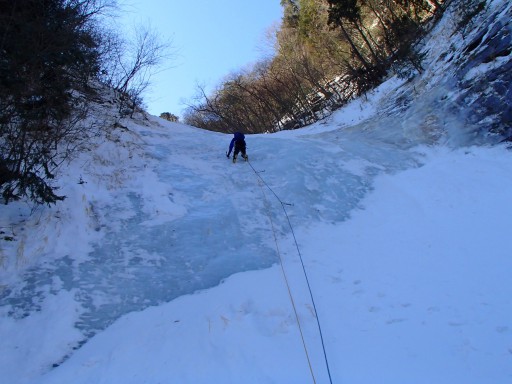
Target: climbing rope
[287,283]
[283,204]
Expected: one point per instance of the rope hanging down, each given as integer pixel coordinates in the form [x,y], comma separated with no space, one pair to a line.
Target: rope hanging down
[283,204]
[287,283]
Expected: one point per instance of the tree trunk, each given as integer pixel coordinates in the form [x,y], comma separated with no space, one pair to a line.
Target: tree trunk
[355,50]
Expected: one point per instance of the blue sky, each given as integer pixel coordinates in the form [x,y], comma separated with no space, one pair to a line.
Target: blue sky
[212,38]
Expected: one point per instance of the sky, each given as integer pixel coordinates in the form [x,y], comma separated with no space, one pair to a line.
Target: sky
[211,39]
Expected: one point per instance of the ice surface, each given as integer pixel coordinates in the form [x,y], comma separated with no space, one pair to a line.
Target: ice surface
[147,251]
[142,259]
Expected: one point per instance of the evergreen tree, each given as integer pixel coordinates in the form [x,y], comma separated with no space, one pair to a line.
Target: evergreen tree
[47,49]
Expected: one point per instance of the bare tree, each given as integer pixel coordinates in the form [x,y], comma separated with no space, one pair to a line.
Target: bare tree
[136,62]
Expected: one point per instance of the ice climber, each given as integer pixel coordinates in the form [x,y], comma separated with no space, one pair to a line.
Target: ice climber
[238,142]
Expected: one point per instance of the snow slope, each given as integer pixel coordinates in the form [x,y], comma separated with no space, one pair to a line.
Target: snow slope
[169,264]
[409,268]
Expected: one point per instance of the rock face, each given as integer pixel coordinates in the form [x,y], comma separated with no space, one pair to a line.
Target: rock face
[485,74]
[464,95]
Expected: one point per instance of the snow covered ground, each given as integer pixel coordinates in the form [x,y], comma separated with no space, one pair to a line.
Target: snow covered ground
[406,251]
[169,264]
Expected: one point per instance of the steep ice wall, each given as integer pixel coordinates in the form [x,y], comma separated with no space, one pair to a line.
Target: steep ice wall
[464,95]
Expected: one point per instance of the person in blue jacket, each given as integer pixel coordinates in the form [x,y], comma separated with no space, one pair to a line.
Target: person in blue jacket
[238,142]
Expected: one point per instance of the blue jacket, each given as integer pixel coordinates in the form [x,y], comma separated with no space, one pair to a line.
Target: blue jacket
[238,136]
